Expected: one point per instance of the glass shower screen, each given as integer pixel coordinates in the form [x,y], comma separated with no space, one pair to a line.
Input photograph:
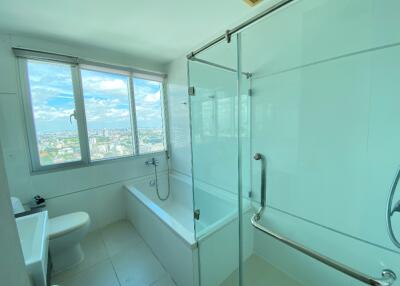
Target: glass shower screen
[214,132]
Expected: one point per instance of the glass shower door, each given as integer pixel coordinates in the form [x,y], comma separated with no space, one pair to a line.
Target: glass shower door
[214,134]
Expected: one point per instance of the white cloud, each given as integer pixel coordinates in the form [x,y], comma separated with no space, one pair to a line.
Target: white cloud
[152,97]
[119,114]
[49,113]
[98,110]
[115,84]
[43,93]
[98,84]
[93,102]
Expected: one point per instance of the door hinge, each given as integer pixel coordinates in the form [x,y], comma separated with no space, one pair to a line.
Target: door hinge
[250,92]
[191,91]
[196,214]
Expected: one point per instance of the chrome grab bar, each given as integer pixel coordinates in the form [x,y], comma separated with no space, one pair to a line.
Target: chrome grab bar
[388,276]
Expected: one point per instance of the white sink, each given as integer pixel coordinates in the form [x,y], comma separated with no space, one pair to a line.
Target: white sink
[33,233]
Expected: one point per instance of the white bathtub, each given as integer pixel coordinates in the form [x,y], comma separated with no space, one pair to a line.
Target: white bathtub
[176,212]
[168,228]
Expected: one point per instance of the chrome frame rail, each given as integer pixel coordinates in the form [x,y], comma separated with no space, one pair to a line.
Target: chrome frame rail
[388,276]
[228,34]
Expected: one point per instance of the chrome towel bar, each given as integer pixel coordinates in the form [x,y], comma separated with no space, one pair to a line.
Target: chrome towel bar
[388,276]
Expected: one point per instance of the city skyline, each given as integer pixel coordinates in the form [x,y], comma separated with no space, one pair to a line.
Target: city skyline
[62,147]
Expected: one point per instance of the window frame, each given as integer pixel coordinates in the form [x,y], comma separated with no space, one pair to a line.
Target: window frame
[132,111]
[164,119]
[80,112]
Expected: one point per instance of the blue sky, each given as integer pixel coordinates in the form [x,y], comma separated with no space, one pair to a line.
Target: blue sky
[105,95]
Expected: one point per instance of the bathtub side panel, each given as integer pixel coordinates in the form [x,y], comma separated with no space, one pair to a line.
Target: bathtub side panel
[173,253]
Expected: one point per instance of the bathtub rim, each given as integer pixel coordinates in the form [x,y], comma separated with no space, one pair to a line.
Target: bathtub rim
[191,239]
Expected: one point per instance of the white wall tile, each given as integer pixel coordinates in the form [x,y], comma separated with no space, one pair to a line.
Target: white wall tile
[103,204]
[178,114]
[8,67]
[315,30]
[325,160]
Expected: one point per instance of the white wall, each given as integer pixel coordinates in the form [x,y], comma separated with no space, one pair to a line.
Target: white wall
[12,266]
[178,115]
[95,189]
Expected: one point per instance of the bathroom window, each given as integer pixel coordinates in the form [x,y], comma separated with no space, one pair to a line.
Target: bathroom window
[149,115]
[108,114]
[53,110]
[78,115]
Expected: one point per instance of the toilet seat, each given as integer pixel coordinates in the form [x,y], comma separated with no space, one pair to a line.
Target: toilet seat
[66,223]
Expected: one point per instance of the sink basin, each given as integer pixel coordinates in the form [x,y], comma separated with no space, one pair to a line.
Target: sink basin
[33,234]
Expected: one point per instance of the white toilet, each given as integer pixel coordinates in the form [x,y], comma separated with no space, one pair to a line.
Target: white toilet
[66,233]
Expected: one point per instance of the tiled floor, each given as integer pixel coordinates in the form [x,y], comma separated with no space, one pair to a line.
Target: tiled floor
[115,256]
[258,272]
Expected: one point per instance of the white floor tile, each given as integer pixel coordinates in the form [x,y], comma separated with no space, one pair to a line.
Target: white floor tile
[165,281]
[115,256]
[137,266]
[258,272]
[94,251]
[119,237]
[101,274]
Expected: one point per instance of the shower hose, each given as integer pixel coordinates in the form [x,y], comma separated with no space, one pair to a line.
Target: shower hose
[157,190]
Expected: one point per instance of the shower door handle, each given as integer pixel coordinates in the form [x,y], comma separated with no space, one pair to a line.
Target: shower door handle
[260,157]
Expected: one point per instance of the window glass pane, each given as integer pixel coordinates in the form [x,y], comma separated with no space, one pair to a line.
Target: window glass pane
[108,114]
[149,115]
[53,102]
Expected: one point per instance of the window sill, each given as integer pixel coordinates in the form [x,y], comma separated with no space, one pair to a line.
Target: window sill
[80,164]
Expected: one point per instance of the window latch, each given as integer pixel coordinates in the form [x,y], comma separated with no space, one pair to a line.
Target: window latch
[72,115]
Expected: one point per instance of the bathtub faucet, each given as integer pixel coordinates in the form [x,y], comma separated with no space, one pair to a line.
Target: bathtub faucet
[152,161]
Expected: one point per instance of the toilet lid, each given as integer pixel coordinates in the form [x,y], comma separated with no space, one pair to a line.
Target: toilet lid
[67,223]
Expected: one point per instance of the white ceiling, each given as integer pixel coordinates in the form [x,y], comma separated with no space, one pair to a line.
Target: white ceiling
[158,30]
